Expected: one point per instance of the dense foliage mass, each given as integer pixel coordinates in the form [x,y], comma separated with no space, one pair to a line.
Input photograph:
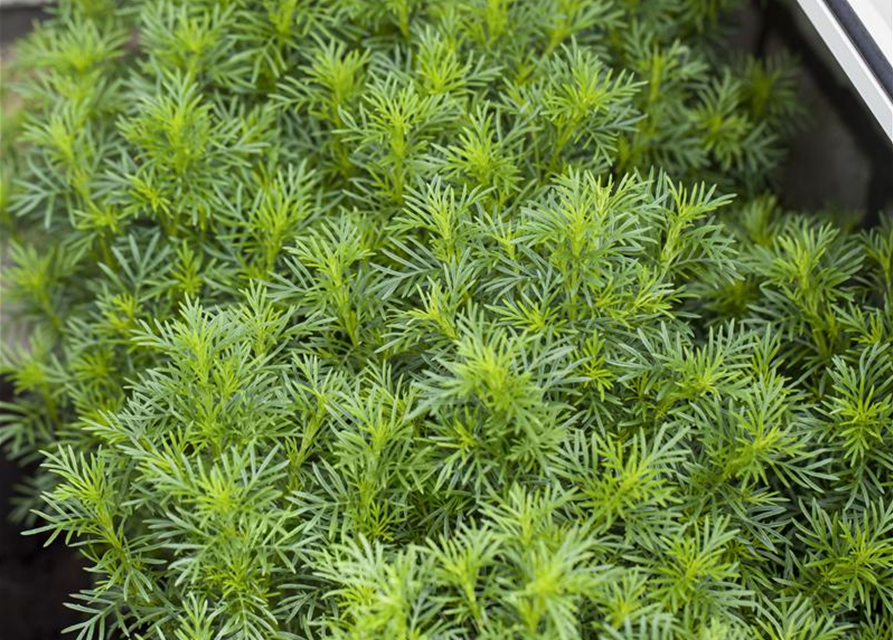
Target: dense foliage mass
[439,319]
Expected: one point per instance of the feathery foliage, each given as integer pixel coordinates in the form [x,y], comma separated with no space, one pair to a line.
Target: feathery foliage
[439,319]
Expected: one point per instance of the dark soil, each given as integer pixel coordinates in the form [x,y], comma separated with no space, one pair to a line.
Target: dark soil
[34,581]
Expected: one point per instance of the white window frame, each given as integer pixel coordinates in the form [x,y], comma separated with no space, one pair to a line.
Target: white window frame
[871,75]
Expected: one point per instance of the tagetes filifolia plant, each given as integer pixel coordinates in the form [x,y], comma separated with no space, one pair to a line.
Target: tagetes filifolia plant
[438,320]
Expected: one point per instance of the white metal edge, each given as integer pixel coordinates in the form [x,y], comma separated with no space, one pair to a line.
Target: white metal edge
[881,31]
[851,61]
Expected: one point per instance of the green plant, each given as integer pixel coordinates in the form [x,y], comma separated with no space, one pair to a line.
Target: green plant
[418,319]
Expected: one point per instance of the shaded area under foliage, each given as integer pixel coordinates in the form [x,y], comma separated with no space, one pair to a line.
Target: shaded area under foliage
[34,581]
